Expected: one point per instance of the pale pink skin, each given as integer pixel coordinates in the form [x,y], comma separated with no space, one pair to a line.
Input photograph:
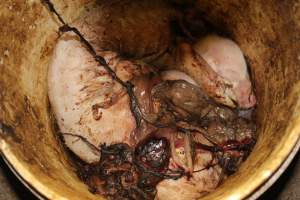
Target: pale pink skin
[76,83]
[72,69]
[176,75]
[226,58]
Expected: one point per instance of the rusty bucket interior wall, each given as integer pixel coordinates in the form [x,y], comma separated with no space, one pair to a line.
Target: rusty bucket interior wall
[267,31]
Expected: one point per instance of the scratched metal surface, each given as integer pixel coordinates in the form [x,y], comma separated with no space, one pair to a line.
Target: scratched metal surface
[286,188]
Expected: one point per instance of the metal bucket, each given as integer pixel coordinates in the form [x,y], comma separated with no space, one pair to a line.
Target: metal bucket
[268,33]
